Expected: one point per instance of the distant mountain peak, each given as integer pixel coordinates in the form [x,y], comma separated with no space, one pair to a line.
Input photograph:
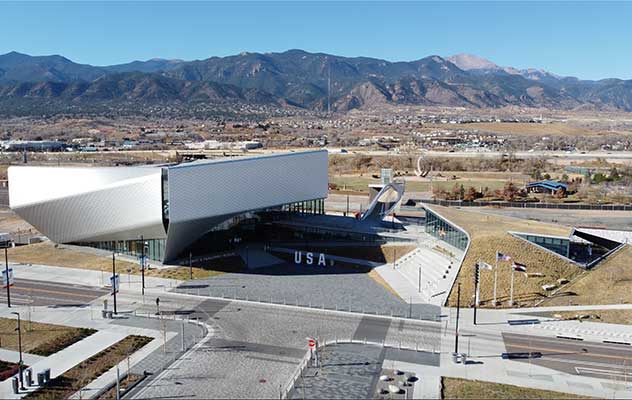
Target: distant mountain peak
[470,61]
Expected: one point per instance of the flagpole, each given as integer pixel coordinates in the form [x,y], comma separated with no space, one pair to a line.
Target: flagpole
[511,290]
[495,279]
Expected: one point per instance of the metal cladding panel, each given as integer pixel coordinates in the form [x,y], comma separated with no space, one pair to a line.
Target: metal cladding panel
[70,204]
[214,191]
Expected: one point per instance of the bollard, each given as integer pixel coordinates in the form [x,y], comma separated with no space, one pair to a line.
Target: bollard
[41,380]
[15,385]
[29,377]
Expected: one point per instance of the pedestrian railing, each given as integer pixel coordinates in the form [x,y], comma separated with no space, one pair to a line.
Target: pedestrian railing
[404,312]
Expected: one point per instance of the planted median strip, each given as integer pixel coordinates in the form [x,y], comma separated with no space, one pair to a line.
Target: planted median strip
[88,370]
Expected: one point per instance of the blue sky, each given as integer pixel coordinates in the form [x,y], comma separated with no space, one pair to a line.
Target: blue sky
[586,39]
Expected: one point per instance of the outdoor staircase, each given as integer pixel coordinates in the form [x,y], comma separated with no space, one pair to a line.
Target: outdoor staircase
[438,271]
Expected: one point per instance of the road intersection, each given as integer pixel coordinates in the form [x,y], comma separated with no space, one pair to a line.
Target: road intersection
[253,348]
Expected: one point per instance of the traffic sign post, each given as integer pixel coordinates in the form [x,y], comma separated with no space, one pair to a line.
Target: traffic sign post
[7,277]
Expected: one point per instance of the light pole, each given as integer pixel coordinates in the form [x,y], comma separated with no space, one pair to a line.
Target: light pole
[6,270]
[114,281]
[142,264]
[456,328]
[21,363]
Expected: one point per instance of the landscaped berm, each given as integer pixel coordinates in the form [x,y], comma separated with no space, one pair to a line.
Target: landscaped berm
[490,234]
[455,388]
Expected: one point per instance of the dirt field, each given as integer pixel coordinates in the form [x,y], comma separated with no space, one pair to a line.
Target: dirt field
[609,283]
[39,338]
[478,180]
[47,253]
[489,235]
[553,129]
[455,388]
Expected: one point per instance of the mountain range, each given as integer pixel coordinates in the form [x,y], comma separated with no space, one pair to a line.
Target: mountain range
[297,78]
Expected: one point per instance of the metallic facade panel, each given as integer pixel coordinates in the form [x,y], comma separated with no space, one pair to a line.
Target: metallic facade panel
[70,204]
[79,204]
[206,193]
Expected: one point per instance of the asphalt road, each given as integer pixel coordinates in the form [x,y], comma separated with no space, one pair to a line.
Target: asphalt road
[42,293]
[605,361]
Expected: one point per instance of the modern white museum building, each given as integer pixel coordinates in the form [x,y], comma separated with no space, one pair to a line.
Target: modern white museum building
[169,206]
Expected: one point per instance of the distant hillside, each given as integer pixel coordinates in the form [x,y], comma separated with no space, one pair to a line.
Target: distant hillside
[296,78]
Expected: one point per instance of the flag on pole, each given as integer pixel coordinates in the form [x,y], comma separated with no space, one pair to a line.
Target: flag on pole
[484,265]
[519,267]
[502,257]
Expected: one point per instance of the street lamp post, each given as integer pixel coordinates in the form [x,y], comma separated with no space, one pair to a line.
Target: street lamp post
[21,363]
[142,264]
[6,269]
[114,282]
[456,328]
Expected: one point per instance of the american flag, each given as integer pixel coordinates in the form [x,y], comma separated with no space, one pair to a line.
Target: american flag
[502,257]
[519,267]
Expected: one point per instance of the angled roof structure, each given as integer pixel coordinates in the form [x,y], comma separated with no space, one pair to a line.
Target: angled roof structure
[175,204]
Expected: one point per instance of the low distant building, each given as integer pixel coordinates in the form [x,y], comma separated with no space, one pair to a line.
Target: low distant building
[33,145]
[546,186]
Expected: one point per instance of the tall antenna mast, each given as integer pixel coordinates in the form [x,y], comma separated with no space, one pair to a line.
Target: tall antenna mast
[328,87]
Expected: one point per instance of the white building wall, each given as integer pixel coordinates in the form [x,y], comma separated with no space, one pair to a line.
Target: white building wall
[203,194]
[70,204]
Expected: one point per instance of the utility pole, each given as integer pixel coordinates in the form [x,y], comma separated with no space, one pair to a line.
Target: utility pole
[6,270]
[21,362]
[456,328]
[419,280]
[114,285]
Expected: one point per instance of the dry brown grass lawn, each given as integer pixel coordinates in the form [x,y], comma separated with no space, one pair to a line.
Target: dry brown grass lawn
[605,316]
[39,338]
[48,254]
[608,283]
[489,234]
[455,388]
[556,128]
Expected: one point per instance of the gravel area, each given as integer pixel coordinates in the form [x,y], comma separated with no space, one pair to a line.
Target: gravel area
[332,288]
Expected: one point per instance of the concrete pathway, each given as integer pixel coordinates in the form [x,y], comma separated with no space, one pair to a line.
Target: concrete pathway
[76,276]
[66,359]
[14,356]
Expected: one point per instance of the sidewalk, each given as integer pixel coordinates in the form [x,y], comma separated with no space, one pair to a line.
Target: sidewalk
[67,358]
[14,356]
[86,277]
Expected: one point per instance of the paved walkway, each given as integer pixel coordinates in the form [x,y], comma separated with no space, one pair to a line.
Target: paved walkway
[89,277]
[14,356]
[67,358]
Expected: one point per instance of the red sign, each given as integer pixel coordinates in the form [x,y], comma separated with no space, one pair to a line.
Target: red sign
[311,343]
